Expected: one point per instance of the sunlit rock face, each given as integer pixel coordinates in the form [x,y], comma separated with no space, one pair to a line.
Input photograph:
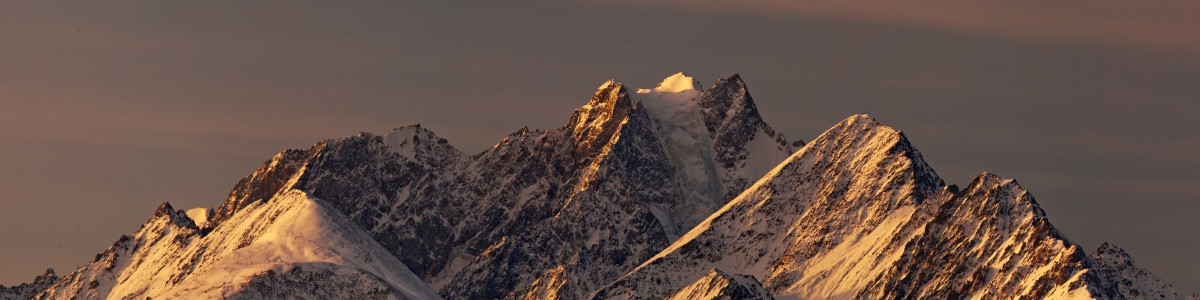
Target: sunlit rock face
[665,192]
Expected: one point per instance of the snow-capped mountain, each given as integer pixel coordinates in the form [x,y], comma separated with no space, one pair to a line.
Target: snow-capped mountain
[667,192]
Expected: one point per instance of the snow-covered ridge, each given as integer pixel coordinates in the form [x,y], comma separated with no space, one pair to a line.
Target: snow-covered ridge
[291,235]
[816,197]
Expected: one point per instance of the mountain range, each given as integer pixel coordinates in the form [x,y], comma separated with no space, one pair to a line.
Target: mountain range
[667,192]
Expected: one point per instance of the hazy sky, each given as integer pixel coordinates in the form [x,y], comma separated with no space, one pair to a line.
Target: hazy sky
[108,109]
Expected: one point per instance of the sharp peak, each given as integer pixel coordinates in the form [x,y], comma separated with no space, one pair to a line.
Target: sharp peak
[414,126]
[610,83]
[1109,248]
[856,124]
[719,272]
[988,179]
[731,79]
[521,131]
[864,122]
[988,176]
[49,277]
[861,119]
[177,217]
[987,183]
[611,93]
[733,83]
[861,130]
[595,123]
[519,134]
[412,129]
[164,209]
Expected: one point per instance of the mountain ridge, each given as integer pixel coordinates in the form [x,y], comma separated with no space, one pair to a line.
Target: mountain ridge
[689,189]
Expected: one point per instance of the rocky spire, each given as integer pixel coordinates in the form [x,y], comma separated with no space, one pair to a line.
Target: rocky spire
[595,124]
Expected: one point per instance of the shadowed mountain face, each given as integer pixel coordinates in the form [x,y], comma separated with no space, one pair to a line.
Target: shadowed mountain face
[665,192]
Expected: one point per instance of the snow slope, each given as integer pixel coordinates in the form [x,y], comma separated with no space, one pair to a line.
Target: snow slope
[839,187]
[273,247]
[718,285]
[858,214]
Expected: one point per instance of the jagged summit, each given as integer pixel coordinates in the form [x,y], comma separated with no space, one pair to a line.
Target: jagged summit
[1112,251]
[727,97]
[419,144]
[595,124]
[177,217]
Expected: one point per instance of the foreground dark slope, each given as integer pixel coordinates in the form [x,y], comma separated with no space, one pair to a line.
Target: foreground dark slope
[659,193]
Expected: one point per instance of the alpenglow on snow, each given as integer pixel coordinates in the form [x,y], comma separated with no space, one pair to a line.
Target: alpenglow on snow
[665,192]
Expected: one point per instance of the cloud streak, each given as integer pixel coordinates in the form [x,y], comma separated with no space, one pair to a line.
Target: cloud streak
[1167,25]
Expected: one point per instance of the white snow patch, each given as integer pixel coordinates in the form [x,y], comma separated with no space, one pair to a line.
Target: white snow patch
[846,269]
[201,216]
[678,82]
[766,154]
[400,141]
